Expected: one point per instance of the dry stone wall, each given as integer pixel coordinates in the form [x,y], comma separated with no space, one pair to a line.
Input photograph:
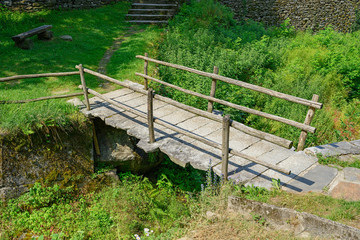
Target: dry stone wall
[32,5]
[303,14]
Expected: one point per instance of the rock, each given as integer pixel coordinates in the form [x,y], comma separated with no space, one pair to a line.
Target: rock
[47,35]
[211,216]
[114,178]
[26,44]
[66,37]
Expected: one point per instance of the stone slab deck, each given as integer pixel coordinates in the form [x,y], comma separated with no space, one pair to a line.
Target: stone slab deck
[306,174]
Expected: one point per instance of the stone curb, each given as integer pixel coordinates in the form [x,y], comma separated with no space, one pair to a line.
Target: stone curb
[301,223]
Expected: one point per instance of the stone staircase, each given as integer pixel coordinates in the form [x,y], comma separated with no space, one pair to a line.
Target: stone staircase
[151,11]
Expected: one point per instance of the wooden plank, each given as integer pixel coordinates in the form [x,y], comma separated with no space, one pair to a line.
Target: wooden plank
[257,133]
[30,33]
[309,116]
[41,98]
[239,83]
[5,79]
[238,107]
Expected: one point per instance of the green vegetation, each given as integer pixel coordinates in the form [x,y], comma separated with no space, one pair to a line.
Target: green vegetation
[327,63]
[159,203]
[90,41]
[321,205]
[334,161]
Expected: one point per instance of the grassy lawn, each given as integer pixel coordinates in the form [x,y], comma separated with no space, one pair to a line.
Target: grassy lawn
[93,32]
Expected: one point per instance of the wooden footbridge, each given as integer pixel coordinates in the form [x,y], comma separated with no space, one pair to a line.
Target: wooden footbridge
[202,139]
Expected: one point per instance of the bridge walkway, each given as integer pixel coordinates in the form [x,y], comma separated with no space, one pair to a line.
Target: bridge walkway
[185,151]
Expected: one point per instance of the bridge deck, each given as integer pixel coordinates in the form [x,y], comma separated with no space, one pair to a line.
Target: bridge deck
[184,150]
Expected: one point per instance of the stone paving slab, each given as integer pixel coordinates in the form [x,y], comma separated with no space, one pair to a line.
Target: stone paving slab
[334,149]
[352,174]
[178,117]
[241,170]
[356,142]
[260,148]
[276,156]
[315,180]
[119,92]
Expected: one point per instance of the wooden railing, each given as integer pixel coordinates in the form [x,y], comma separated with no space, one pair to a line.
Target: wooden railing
[151,120]
[226,121]
[305,127]
[18,77]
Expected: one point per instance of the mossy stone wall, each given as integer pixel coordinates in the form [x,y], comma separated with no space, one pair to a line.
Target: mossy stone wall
[32,5]
[52,155]
[303,14]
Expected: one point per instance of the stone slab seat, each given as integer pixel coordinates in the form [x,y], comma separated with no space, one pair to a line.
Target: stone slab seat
[36,31]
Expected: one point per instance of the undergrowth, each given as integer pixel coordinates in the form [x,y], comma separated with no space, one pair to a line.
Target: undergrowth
[158,207]
[204,35]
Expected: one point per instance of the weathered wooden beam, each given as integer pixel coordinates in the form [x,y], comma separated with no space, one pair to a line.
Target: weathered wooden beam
[83,83]
[225,146]
[41,98]
[150,115]
[145,73]
[5,79]
[309,117]
[239,83]
[238,107]
[213,90]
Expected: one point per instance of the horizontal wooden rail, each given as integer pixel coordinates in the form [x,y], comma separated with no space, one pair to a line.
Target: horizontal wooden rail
[301,126]
[37,76]
[270,92]
[251,131]
[182,131]
[41,98]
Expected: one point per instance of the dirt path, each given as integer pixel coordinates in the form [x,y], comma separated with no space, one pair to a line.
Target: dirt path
[108,54]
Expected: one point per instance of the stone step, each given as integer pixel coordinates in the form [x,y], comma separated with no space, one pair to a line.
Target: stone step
[147,17]
[155,1]
[147,22]
[152,11]
[153,6]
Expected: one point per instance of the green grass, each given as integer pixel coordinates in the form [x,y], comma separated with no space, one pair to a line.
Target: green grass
[333,161]
[93,32]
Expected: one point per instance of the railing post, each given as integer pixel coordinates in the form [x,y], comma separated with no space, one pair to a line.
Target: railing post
[225,146]
[81,70]
[308,119]
[146,72]
[150,115]
[213,89]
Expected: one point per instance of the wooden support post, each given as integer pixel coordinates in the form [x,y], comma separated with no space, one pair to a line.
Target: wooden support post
[150,115]
[87,103]
[213,89]
[81,70]
[308,119]
[225,146]
[146,72]
[96,142]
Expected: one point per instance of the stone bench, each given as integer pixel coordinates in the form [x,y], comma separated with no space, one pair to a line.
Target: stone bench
[21,40]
